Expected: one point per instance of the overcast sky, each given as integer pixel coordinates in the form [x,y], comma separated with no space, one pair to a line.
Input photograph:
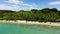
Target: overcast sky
[28,4]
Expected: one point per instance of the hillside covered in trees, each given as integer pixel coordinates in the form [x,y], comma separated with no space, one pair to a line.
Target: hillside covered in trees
[43,15]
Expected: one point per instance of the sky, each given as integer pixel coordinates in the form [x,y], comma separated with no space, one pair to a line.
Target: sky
[16,5]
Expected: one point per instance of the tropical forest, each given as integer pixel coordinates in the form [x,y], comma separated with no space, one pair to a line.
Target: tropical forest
[42,15]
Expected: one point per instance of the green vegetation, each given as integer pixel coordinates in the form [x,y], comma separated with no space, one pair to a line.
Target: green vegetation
[43,15]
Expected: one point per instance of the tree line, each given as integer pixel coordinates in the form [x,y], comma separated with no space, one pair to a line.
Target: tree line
[43,15]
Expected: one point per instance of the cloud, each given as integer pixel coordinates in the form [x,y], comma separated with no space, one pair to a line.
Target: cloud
[34,6]
[16,5]
[14,1]
[18,2]
[7,7]
[54,3]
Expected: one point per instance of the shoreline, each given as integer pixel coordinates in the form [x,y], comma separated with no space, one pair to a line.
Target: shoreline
[31,22]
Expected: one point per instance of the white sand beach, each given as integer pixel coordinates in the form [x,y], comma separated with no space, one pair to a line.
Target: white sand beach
[31,22]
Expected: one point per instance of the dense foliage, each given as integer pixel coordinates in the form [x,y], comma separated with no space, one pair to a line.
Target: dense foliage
[43,15]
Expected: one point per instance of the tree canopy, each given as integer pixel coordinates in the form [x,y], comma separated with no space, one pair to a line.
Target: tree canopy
[43,15]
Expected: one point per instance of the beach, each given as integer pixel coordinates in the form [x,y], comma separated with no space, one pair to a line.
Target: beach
[31,22]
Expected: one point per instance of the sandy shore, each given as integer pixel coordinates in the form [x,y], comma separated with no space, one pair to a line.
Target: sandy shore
[31,22]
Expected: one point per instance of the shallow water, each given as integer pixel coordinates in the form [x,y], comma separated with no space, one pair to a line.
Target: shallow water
[27,29]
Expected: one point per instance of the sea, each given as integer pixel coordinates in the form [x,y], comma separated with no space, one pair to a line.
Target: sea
[9,28]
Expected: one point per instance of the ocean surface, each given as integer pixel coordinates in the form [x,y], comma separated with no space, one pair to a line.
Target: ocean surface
[27,29]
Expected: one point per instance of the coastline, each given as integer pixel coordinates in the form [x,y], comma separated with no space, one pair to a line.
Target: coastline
[31,22]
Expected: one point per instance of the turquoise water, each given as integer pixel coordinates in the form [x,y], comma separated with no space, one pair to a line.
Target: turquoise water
[27,29]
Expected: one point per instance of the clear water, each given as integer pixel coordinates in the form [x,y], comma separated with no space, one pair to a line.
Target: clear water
[27,29]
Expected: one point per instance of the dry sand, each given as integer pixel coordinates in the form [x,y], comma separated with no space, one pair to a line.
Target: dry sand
[31,22]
